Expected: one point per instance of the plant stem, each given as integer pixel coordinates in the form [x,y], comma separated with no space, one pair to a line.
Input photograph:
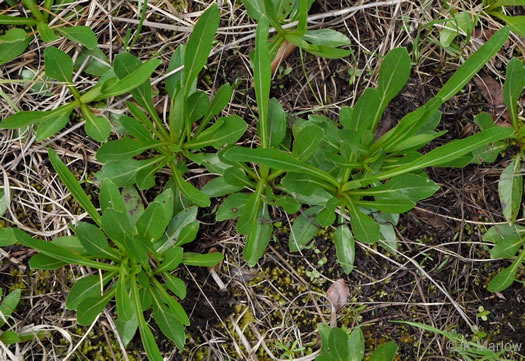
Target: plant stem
[33,7]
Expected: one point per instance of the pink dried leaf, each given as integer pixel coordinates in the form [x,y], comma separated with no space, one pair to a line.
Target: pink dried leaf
[338,294]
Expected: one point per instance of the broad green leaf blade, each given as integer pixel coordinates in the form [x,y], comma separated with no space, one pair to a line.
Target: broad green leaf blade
[199,46]
[338,343]
[148,340]
[9,48]
[152,222]
[57,252]
[122,149]
[41,261]
[135,126]
[175,285]
[50,127]
[237,177]
[507,240]
[388,205]
[96,127]
[110,197]
[10,337]
[168,323]
[95,242]
[46,33]
[171,260]
[345,248]
[276,123]
[16,20]
[385,352]
[130,81]
[249,214]
[125,307]
[175,307]
[232,207]
[9,304]
[513,87]
[277,159]
[505,278]
[58,64]
[80,34]
[218,187]
[258,238]
[303,230]
[228,132]
[22,119]
[202,260]
[73,186]
[510,189]
[326,37]
[127,329]
[91,307]
[262,79]
[364,227]
[188,234]
[413,187]
[189,191]
[362,117]
[174,81]
[515,23]
[86,287]
[467,71]
[356,345]
[219,102]
[306,142]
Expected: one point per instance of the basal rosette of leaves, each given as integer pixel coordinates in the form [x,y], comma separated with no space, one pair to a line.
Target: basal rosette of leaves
[15,41]
[338,170]
[135,251]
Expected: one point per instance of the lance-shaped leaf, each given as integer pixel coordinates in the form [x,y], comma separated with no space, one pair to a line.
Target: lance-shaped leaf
[22,119]
[168,323]
[262,79]
[202,260]
[9,304]
[413,187]
[130,81]
[123,148]
[79,34]
[73,186]
[232,207]
[199,46]
[505,278]
[258,238]
[473,64]
[226,131]
[276,123]
[277,159]
[152,222]
[513,87]
[345,248]
[58,65]
[110,197]
[385,352]
[507,240]
[86,287]
[175,285]
[91,307]
[189,191]
[364,227]
[95,242]
[510,189]
[307,142]
[303,230]
[97,127]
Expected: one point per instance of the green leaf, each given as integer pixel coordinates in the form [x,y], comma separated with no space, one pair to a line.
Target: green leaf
[91,307]
[57,252]
[110,197]
[289,204]
[148,341]
[41,261]
[258,237]
[412,187]
[388,205]
[364,228]
[446,153]
[189,191]
[80,34]
[513,87]
[202,260]
[152,222]
[362,118]
[9,337]
[515,23]
[127,329]
[188,234]
[500,3]
[507,240]
[7,237]
[73,186]
[306,142]
[254,8]
[510,189]
[116,225]
[278,160]
[122,149]
[171,260]
[22,119]
[393,75]
[9,50]
[46,33]
[125,307]
[505,278]
[175,285]
[124,172]
[95,242]
[135,127]
[276,123]
[12,36]
[237,177]
[9,304]
[87,287]
[461,21]
[303,230]
[218,187]
[50,127]
[338,344]
[356,345]
[326,37]
[174,81]
[262,79]
[130,81]
[227,132]
[232,207]
[133,204]
[467,71]
[385,352]
[175,307]
[4,201]
[345,248]
[16,20]
[199,46]
[220,101]
[96,127]
[198,105]
[168,323]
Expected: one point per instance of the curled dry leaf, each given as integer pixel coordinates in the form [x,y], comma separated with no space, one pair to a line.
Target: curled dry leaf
[338,294]
[284,52]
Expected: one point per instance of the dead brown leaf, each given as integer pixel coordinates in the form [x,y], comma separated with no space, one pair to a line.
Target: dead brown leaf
[338,294]
[492,91]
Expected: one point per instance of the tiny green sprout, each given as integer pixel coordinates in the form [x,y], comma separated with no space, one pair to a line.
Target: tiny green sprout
[482,313]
